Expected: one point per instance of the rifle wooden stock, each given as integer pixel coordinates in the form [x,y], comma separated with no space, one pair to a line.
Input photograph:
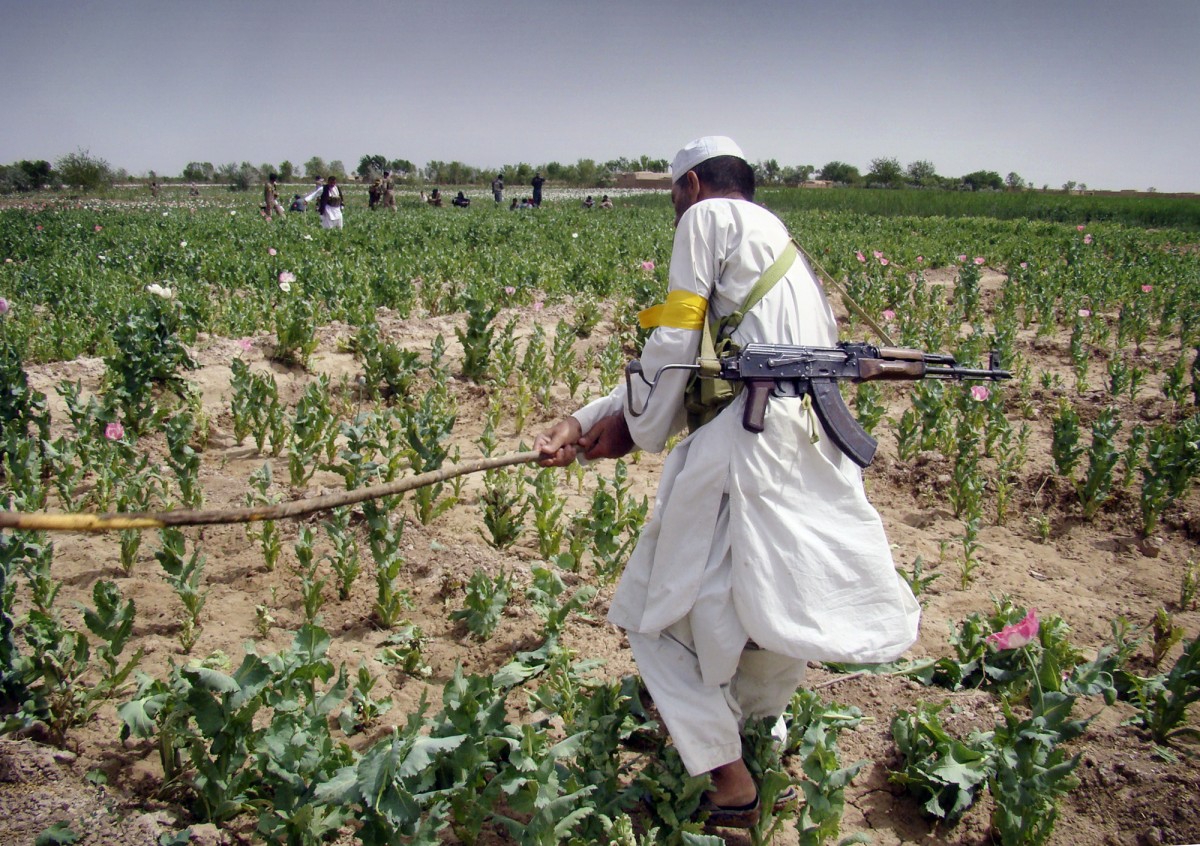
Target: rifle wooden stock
[870,369]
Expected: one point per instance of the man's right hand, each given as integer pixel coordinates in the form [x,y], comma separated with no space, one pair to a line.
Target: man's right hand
[559,443]
[564,441]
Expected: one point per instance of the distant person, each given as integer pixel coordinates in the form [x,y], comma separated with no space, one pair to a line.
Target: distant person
[461,201]
[605,202]
[318,187]
[589,202]
[537,183]
[527,203]
[299,204]
[498,189]
[330,205]
[154,190]
[271,204]
[193,191]
[435,199]
[389,191]
[514,206]
[374,193]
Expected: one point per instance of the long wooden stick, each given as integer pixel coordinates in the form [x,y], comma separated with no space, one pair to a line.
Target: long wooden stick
[42,521]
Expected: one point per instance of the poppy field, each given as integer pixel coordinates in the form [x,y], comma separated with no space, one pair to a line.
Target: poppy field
[434,667]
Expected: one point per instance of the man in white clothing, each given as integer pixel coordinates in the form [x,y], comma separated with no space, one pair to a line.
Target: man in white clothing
[796,566]
[330,204]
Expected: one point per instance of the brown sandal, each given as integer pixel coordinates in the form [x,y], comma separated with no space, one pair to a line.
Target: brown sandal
[736,816]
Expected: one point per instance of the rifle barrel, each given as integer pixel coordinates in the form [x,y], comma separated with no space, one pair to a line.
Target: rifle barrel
[938,372]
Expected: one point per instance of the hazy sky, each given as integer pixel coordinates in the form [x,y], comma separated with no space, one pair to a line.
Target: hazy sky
[1100,92]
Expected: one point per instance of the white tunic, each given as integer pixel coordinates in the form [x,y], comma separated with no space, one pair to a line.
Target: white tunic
[813,576]
[331,216]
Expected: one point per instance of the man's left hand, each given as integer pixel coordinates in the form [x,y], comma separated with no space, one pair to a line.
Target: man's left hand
[609,438]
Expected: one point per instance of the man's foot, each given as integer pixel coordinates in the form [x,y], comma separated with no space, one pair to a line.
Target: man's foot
[744,816]
[730,816]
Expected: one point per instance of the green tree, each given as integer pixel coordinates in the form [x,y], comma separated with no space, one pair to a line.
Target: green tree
[83,170]
[1014,182]
[654,165]
[518,174]
[836,171]
[768,172]
[336,168]
[981,180]
[371,166]
[198,172]
[794,175]
[24,176]
[922,173]
[315,167]
[287,171]
[450,173]
[239,177]
[402,166]
[588,173]
[885,172]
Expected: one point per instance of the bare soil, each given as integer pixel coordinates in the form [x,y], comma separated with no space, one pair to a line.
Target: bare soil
[1086,572]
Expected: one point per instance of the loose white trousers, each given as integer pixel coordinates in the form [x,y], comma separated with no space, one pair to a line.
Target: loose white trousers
[706,677]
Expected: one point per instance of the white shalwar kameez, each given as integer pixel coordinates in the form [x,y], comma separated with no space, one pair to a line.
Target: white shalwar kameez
[762,552]
[331,216]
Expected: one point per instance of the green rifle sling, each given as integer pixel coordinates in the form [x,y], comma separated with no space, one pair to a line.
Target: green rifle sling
[705,396]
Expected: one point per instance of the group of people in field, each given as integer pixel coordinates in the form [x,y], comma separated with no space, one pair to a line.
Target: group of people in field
[381,193]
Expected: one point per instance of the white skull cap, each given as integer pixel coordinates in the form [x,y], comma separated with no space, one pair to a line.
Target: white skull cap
[701,150]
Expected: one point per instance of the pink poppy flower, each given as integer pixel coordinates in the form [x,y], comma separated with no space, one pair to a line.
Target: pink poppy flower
[648,266]
[884,262]
[1146,289]
[287,278]
[39,227]
[920,259]
[98,227]
[979,393]
[114,431]
[877,253]
[246,344]
[1024,265]
[1016,635]
[962,258]
[858,255]
[3,306]
[978,260]
[1087,239]
[271,251]
[537,305]
[510,290]
[1079,228]
[1085,312]
[888,315]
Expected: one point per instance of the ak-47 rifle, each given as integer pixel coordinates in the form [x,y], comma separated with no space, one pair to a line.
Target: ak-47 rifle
[816,371]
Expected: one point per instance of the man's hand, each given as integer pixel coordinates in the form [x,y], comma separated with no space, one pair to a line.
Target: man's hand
[563,441]
[609,438]
[559,443]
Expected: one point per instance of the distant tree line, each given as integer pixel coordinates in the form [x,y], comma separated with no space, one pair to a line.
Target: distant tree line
[79,170]
[83,171]
[888,173]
